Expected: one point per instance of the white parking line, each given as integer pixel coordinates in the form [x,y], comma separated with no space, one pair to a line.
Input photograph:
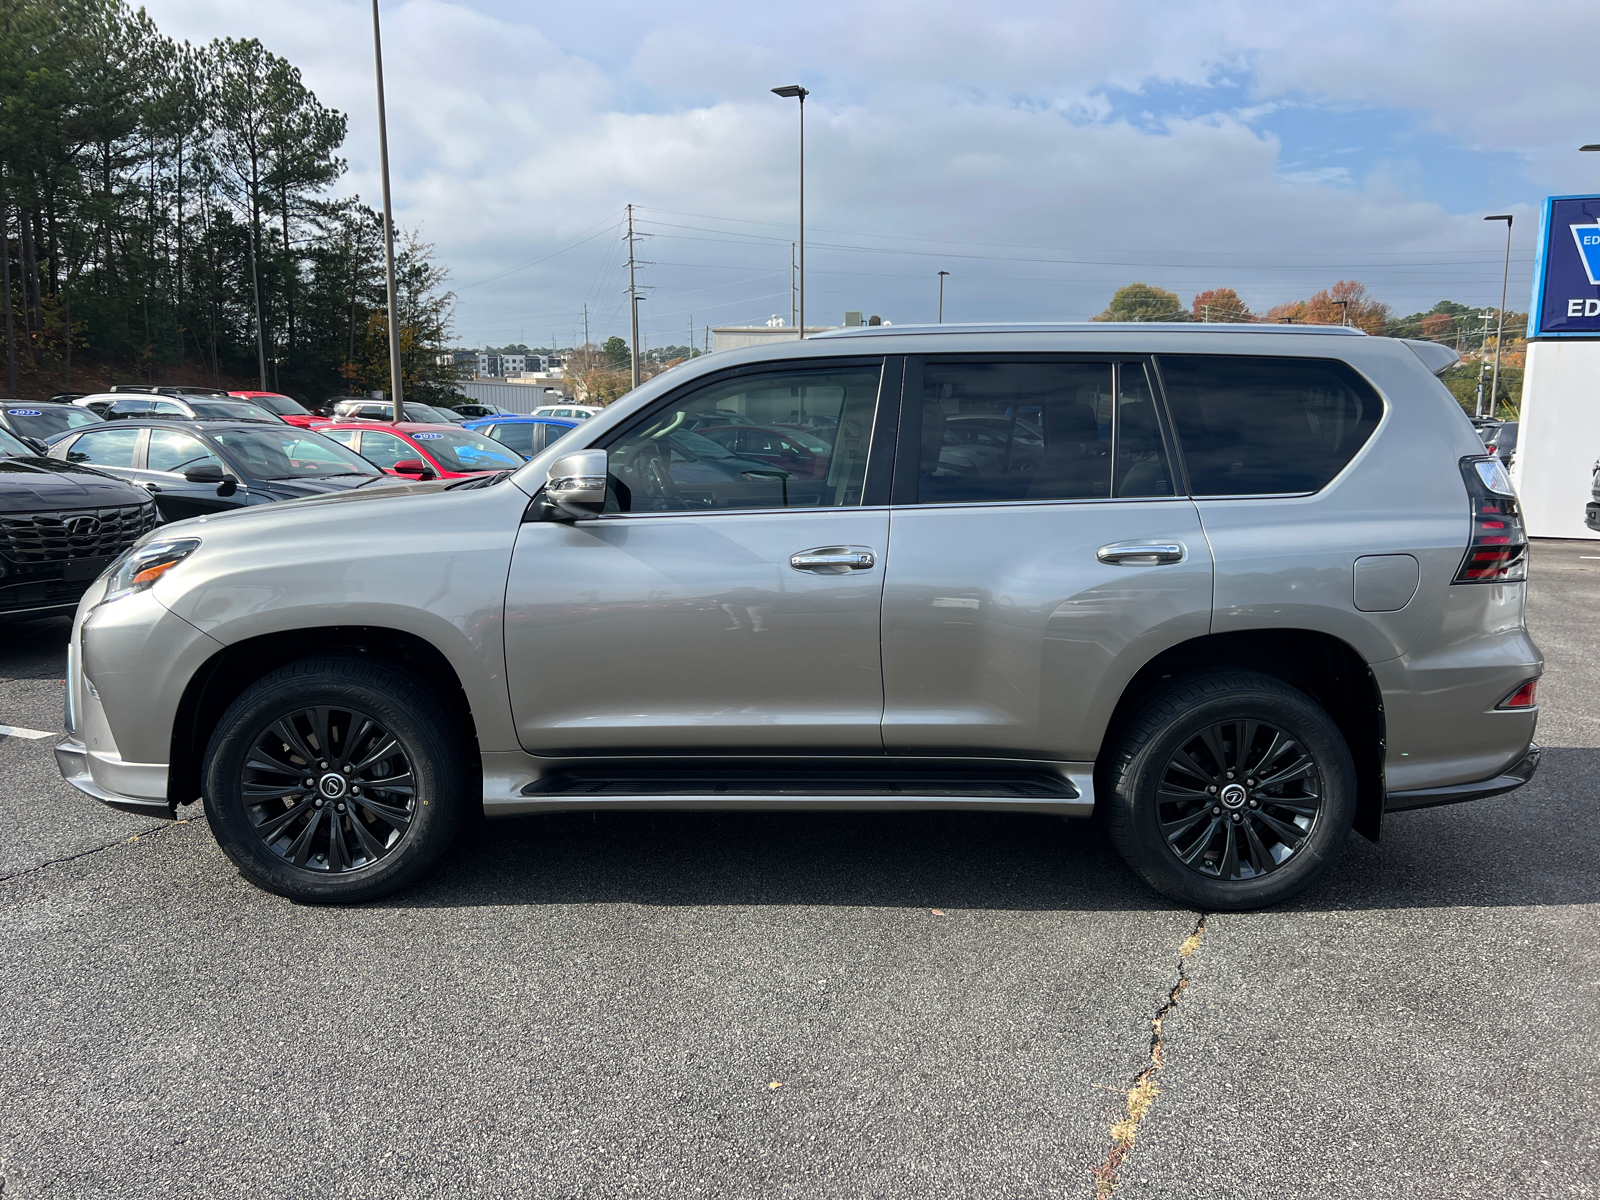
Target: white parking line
[19,731]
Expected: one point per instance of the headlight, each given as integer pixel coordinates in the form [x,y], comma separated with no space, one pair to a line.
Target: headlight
[139,568]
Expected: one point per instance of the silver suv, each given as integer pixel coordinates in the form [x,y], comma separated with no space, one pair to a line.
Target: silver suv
[1232,591]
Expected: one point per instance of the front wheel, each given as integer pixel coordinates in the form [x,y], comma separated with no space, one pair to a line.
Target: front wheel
[1230,790]
[335,780]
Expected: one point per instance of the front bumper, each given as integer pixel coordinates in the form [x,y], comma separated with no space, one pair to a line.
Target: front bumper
[1509,780]
[73,760]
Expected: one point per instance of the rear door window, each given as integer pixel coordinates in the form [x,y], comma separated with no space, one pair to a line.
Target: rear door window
[1257,426]
[175,452]
[105,448]
[521,438]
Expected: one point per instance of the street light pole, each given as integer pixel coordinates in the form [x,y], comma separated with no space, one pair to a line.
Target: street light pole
[800,93]
[1500,329]
[396,389]
[1344,312]
[942,274]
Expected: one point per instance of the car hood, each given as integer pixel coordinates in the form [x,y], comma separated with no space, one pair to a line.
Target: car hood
[296,489]
[32,484]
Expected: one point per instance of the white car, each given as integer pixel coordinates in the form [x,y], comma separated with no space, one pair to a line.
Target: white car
[577,412]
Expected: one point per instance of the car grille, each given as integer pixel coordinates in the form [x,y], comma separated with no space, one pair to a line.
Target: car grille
[80,533]
[49,593]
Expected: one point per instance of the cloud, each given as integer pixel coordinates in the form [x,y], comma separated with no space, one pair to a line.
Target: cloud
[978,141]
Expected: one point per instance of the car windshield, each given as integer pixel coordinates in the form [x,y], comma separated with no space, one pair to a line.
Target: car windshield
[695,446]
[47,422]
[282,406]
[458,450]
[290,453]
[229,410]
[10,447]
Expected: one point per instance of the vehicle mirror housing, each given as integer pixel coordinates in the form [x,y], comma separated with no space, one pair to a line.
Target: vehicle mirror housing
[577,485]
[411,466]
[204,473]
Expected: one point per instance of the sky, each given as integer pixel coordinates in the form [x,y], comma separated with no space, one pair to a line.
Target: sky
[1043,154]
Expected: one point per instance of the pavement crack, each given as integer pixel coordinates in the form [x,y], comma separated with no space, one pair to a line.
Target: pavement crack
[1143,1092]
[66,858]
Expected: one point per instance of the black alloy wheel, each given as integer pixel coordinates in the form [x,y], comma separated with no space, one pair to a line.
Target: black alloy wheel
[337,780]
[1228,790]
[1239,799]
[329,789]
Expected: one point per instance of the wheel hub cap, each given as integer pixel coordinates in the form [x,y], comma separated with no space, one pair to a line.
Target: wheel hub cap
[1233,796]
[332,786]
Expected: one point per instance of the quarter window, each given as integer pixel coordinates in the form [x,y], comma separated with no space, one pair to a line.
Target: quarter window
[663,465]
[105,448]
[1252,426]
[1038,430]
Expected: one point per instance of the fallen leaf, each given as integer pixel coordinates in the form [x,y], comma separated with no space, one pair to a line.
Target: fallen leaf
[938,912]
[774,1085]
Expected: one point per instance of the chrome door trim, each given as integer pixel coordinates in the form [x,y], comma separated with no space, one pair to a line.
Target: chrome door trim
[1143,552]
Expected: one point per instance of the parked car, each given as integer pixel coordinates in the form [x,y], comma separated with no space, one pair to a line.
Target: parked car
[1591,513]
[182,391]
[424,450]
[526,435]
[578,412]
[285,408]
[1500,439]
[195,468]
[61,525]
[1264,586]
[191,408]
[473,412]
[801,454]
[41,421]
[383,410]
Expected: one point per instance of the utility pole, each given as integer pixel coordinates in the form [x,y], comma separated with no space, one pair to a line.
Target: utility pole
[1500,329]
[633,301]
[395,386]
[1483,361]
[942,274]
[586,323]
[795,91]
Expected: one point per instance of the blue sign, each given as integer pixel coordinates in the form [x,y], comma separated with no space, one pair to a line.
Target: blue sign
[1566,277]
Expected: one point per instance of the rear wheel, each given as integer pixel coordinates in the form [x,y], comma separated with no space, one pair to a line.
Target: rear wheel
[1230,790]
[335,780]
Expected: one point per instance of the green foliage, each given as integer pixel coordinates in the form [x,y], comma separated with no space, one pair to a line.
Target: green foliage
[617,352]
[170,205]
[1141,302]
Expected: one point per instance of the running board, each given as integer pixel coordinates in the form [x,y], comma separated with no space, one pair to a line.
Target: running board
[731,785]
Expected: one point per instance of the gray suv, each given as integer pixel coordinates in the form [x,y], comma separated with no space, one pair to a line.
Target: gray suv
[1233,591]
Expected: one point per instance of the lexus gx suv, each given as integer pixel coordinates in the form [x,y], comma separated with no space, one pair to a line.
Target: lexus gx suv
[1233,591]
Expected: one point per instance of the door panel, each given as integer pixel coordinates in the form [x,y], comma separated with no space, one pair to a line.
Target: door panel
[168,454]
[694,633]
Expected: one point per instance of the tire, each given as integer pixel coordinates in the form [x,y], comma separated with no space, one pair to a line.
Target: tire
[352,835]
[1173,811]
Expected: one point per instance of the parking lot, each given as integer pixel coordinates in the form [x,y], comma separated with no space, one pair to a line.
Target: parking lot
[807,1005]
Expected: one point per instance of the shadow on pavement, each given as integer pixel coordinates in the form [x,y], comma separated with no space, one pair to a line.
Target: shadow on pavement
[1523,849]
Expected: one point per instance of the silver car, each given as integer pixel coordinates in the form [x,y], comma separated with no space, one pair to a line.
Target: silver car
[1232,590]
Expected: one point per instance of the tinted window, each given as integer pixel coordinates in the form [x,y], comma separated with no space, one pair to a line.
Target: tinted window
[283,406]
[133,408]
[385,449]
[1259,426]
[284,452]
[1038,430]
[522,438]
[10,447]
[166,408]
[171,450]
[105,448]
[660,466]
[230,410]
[47,422]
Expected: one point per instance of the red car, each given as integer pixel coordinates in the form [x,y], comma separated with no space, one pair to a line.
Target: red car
[285,408]
[422,451]
[804,455]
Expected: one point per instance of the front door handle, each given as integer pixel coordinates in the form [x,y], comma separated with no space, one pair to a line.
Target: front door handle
[1141,554]
[152,487]
[834,560]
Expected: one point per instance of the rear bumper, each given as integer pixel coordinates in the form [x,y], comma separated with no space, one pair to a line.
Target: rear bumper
[1591,514]
[1508,780]
[72,757]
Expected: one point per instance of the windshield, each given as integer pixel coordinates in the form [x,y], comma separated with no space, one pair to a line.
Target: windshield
[9,446]
[458,450]
[282,406]
[290,453]
[230,410]
[696,446]
[47,422]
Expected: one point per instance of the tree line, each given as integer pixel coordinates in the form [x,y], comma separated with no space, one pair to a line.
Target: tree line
[167,215]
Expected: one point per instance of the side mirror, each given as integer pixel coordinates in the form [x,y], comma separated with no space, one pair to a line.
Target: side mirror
[204,473]
[414,466]
[577,485]
[36,445]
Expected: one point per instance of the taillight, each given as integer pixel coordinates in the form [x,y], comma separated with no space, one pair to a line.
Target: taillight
[1525,696]
[1498,551]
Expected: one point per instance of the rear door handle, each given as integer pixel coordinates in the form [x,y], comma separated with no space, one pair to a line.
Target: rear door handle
[1141,554]
[834,560]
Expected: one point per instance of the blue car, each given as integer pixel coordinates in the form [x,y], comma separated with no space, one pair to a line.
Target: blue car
[526,435]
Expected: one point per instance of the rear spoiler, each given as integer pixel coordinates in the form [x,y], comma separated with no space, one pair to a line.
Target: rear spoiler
[1436,357]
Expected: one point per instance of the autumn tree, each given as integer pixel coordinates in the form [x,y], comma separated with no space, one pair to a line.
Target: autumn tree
[1347,303]
[1220,304]
[1142,302]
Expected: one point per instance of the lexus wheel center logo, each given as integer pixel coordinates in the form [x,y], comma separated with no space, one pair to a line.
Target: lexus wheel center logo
[332,786]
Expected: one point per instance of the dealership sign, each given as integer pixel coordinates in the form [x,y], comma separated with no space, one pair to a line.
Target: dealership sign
[1566,278]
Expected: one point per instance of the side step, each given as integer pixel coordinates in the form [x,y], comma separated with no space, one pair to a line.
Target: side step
[669,785]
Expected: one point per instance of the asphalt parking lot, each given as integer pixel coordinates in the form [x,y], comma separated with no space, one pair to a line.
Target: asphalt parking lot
[807,1005]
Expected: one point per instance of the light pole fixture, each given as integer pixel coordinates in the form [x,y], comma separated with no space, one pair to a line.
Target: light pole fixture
[1595,146]
[942,274]
[799,93]
[1500,330]
[395,388]
[1344,312]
